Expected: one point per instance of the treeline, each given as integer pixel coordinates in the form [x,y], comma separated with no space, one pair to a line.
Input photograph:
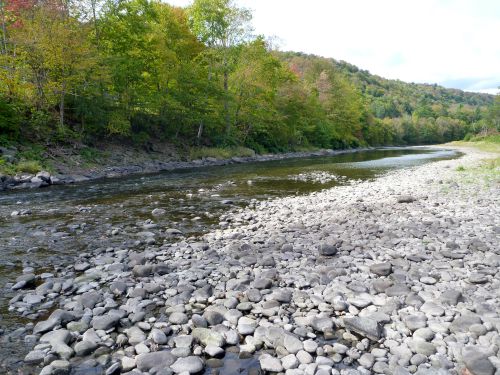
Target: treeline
[137,70]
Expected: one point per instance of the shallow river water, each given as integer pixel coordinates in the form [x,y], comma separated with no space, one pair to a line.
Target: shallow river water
[64,221]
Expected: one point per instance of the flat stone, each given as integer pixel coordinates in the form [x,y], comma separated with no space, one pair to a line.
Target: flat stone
[190,365]
[105,322]
[366,327]
[322,324]
[397,290]
[292,344]
[476,361]
[147,361]
[462,323]
[478,278]
[268,363]
[381,269]
[84,348]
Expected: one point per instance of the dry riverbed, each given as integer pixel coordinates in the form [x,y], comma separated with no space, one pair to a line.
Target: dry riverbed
[392,276]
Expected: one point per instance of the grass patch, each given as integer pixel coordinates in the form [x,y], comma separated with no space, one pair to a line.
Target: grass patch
[29,166]
[220,152]
[460,168]
[488,143]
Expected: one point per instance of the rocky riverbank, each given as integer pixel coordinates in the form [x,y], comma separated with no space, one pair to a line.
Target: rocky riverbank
[393,276]
[137,163]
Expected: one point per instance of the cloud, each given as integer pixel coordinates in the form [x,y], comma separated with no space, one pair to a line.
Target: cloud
[447,42]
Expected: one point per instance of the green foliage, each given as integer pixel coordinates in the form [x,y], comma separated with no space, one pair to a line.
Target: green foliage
[9,120]
[143,70]
[29,166]
[220,153]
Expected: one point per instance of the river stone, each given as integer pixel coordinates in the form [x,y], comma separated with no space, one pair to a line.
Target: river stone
[432,309]
[135,335]
[35,357]
[322,324]
[158,212]
[268,363]
[57,336]
[45,326]
[140,270]
[381,269]
[451,297]
[208,337]
[366,327]
[183,341]
[246,326]
[178,318]
[292,344]
[406,199]
[462,323]
[397,290]
[366,360]
[147,361]
[415,321]
[84,348]
[158,336]
[188,365]
[327,249]
[289,362]
[477,362]
[105,322]
[304,357]
[478,278]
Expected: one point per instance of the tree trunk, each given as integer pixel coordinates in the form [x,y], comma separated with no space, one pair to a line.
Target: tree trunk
[97,37]
[226,102]
[201,126]
[4,28]
[61,106]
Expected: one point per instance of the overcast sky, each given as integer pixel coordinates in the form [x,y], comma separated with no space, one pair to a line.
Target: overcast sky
[455,43]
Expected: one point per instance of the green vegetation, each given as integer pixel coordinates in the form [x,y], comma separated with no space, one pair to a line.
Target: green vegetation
[220,152]
[134,71]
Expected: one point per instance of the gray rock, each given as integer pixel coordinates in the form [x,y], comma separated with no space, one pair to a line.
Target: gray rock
[84,348]
[381,269]
[208,337]
[451,297]
[406,199]
[35,357]
[322,324]
[178,318]
[477,362]
[366,327]
[105,322]
[462,323]
[292,344]
[147,361]
[397,290]
[268,363]
[327,249]
[190,365]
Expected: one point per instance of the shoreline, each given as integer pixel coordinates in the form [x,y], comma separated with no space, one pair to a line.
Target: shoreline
[44,179]
[395,275]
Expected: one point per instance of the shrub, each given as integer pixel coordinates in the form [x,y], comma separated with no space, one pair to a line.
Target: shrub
[29,166]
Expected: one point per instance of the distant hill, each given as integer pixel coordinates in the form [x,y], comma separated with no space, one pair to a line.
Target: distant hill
[394,98]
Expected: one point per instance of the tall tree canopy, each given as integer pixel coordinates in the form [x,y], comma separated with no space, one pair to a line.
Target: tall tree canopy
[136,70]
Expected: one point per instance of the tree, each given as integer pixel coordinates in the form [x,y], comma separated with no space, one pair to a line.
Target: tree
[221,26]
[56,49]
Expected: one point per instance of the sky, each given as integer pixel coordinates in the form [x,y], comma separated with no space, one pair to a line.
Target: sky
[454,43]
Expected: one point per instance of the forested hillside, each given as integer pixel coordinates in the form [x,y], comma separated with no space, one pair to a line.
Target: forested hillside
[139,70]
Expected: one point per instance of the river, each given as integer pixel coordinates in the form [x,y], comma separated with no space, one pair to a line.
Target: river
[62,222]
